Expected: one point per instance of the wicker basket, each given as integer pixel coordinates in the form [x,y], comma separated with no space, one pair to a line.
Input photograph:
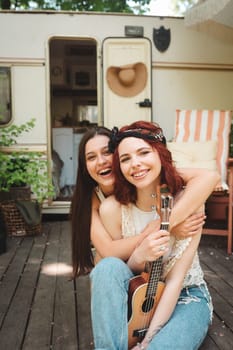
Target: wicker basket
[15,223]
[15,193]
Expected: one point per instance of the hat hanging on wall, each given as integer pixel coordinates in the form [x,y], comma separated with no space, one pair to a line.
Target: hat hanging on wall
[128,80]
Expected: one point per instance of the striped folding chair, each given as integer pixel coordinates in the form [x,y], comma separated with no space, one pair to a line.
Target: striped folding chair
[202,140]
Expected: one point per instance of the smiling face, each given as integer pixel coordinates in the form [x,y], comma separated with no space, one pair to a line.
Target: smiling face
[99,162]
[140,163]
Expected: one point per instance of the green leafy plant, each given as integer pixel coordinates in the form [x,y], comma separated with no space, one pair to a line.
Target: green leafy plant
[20,167]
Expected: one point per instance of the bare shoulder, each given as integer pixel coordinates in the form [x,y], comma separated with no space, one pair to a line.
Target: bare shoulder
[110,215]
[109,205]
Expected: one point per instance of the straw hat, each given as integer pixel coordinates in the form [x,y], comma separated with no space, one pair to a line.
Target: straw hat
[127,81]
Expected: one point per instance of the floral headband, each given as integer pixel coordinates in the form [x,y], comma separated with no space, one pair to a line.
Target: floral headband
[117,136]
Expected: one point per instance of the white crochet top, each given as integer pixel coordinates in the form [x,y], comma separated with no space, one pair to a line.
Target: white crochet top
[134,221]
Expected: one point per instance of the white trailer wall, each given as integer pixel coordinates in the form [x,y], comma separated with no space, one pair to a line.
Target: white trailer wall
[190,89]
[29,101]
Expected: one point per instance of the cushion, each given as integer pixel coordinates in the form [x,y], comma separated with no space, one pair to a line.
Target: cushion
[206,125]
[194,154]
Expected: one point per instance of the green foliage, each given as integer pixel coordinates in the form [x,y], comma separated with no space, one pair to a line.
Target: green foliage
[77,5]
[181,6]
[9,135]
[20,167]
[139,6]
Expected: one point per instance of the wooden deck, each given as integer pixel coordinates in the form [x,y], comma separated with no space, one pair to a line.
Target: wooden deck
[41,308]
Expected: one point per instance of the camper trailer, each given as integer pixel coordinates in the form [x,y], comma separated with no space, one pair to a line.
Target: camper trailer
[62,68]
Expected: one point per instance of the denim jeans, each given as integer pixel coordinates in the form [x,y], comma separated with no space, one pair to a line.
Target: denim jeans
[185,330]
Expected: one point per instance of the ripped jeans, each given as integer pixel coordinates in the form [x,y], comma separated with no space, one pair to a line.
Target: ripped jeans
[185,330]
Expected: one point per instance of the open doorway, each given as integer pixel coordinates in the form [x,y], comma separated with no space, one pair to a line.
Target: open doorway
[73,103]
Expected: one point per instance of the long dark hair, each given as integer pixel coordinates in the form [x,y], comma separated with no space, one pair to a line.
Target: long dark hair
[81,209]
[124,191]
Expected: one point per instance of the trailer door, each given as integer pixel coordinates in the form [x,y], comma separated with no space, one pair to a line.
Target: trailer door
[126,81]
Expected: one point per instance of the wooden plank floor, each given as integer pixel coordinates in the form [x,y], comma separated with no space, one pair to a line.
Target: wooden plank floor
[41,308]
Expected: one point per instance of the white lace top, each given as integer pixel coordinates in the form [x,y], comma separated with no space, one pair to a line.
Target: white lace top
[134,221]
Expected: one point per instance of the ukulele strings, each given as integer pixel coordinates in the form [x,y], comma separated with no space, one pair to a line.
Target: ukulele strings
[148,310]
[164,210]
[151,295]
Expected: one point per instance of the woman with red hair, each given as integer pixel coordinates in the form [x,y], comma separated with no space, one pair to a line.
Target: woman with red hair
[142,165]
[95,181]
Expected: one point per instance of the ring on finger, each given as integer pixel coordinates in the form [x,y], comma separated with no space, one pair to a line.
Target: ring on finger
[162,248]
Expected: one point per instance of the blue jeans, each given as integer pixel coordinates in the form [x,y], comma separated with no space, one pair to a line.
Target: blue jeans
[185,330]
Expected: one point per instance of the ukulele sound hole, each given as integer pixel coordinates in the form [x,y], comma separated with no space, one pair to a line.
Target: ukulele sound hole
[148,304]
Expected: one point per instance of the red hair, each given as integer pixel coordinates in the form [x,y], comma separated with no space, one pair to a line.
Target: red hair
[124,191]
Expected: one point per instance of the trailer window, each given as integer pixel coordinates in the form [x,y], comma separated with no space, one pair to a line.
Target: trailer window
[5,95]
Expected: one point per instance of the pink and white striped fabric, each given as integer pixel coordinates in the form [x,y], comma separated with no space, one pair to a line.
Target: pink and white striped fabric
[206,125]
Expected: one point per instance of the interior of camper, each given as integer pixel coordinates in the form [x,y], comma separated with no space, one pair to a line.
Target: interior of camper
[73,103]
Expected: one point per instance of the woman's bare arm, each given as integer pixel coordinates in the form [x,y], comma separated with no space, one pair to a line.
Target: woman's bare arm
[190,226]
[111,243]
[173,286]
[200,184]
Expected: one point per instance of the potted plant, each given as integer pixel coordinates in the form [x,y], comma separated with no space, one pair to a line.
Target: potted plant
[23,174]
[20,167]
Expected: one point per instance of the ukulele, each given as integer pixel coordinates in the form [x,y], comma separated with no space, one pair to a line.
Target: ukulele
[145,290]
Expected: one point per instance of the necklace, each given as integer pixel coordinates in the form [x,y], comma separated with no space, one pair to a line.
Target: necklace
[153,206]
[146,205]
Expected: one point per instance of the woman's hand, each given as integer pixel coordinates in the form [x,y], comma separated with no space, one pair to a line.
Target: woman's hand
[151,248]
[190,227]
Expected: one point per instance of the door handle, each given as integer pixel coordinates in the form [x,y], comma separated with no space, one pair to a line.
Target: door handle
[145,103]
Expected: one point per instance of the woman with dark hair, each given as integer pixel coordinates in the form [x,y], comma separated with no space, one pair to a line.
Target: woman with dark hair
[142,165]
[84,199]
[95,181]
